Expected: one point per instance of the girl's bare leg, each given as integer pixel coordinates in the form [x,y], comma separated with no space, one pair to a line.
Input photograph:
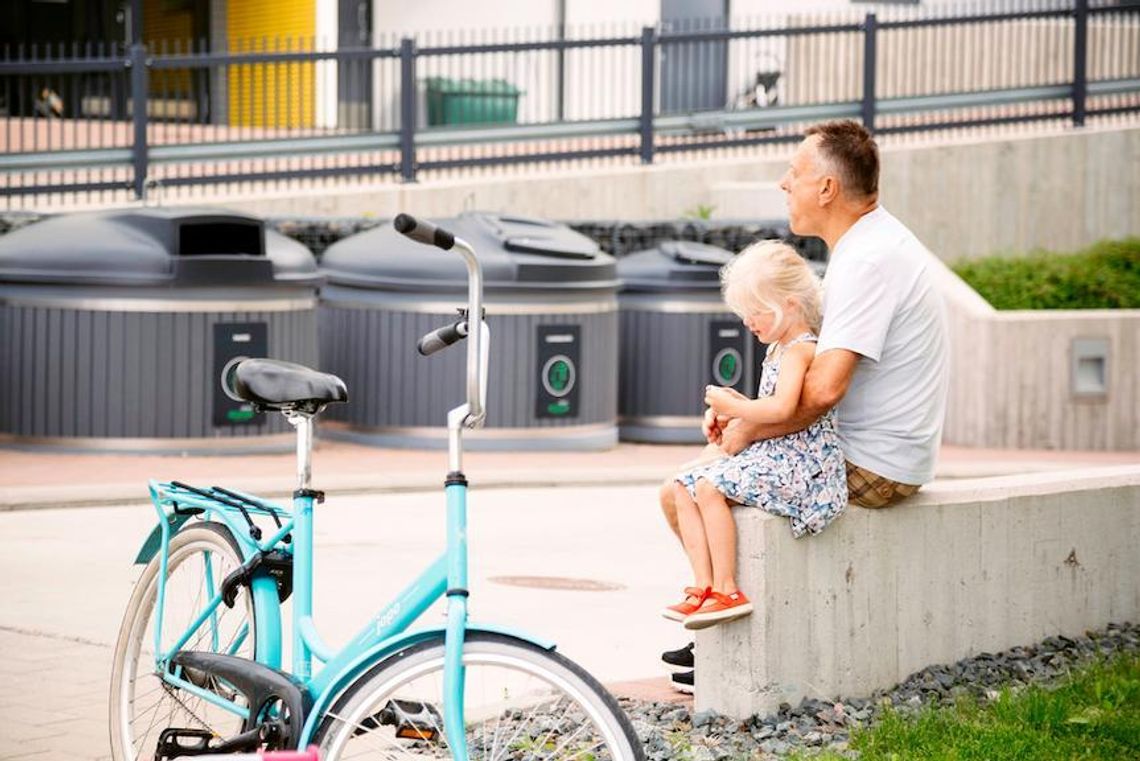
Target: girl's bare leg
[693,536]
[720,535]
[711,453]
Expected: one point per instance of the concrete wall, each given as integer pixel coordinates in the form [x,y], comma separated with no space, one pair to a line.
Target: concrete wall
[963,567]
[1012,376]
[1059,189]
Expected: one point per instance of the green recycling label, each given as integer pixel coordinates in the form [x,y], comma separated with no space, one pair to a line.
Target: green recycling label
[727,367]
[558,376]
[557,363]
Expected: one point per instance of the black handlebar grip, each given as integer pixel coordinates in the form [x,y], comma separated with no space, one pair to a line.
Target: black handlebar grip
[441,338]
[423,231]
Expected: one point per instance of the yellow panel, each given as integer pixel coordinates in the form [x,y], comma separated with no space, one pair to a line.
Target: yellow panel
[277,94]
[168,31]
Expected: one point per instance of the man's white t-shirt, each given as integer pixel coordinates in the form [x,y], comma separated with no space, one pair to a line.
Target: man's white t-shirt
[880,301]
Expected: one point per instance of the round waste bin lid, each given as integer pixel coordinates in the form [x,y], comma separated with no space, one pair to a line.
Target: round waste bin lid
[674,265]
[516,254]
[177,246]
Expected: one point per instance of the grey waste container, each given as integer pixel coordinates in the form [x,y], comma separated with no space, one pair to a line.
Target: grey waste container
[551,302]
[677,336]
[115,328]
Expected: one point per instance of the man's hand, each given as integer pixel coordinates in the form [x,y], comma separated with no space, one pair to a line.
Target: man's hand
[826,383]
[737,435]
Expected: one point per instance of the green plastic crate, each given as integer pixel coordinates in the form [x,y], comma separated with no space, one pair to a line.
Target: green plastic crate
[471,101]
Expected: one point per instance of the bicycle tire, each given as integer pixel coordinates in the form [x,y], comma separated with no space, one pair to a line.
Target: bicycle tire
[136,637]
[356,711]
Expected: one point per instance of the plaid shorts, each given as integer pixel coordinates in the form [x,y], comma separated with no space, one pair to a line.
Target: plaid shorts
[867,489]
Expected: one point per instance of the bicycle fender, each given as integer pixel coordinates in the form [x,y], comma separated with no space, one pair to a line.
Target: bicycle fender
[153,542]
[381,651]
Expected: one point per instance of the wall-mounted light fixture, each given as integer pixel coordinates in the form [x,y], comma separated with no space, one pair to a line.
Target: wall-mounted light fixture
[1089,374]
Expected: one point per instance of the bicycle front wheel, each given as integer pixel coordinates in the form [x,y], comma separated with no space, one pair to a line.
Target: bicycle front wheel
[142,705]
[521,702]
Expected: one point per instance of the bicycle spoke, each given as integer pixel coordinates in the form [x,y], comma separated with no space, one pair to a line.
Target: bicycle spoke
[370,733]
[566,741]
[495,737]
[149,705]
[589,749]
[521,726]
[514,712]
[152,706]
[154,718]
[548,735]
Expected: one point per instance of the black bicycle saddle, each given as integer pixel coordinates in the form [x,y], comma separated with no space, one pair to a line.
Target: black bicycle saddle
[276,385]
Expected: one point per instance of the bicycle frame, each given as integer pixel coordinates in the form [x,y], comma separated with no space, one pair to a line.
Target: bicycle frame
[408,605]
[386,631]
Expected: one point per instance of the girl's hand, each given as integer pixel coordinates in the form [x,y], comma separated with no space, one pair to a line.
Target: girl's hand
[721,399]
[732,391]
[712,427]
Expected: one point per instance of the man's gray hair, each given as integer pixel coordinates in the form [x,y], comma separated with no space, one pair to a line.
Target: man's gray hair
[851,154]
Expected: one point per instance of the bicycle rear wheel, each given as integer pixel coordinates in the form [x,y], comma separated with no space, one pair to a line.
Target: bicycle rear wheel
[142,705]
[522,702]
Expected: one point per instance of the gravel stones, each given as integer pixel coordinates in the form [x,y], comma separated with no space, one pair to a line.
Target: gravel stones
[704,718]
[670,733]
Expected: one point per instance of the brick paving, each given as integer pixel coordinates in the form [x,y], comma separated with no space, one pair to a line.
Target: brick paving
[66,574]
[54,697]
[56,642]
[32,478]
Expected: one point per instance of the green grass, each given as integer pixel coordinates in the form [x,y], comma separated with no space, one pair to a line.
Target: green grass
[1092,716]
[1105,275]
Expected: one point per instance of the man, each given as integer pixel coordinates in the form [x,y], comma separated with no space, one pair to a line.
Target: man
[882,354]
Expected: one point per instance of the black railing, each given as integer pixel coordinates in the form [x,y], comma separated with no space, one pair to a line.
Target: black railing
[124,122]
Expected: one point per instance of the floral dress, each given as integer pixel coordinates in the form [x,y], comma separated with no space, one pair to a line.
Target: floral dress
[801,476]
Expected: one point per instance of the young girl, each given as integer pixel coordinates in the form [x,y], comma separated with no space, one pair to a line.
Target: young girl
[801,475]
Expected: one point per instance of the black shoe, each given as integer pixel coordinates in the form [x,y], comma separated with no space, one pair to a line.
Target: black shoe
[679,659]
[682,681]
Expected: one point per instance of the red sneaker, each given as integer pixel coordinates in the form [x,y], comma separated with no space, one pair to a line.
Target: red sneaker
[718,609]
[694,598]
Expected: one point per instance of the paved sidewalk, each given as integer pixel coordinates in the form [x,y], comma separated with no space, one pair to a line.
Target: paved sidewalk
[32,479]
[58,643]
[65,576]
[54,697]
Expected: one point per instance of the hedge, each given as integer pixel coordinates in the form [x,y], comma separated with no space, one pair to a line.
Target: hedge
[1105,275]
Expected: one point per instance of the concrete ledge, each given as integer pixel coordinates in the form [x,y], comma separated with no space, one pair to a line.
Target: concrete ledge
[964,567]
[1012,379]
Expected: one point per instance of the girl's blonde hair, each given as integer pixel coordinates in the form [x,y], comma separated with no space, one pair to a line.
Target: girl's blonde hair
[763,275]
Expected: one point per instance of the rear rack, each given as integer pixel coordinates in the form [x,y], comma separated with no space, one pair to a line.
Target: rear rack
[192,498]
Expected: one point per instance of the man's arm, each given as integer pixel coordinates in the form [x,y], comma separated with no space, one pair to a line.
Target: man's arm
[824,385]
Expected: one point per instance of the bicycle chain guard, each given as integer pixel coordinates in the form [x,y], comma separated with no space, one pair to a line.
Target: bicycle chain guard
[277,705]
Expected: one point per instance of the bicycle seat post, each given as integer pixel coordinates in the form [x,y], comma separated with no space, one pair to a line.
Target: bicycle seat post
[303,422]
[303,500]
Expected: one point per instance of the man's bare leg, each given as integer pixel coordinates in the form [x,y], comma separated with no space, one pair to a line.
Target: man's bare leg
[669,508]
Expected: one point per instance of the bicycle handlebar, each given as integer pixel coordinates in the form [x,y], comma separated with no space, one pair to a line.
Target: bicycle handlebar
[473,414]
[423,231]
[441,338]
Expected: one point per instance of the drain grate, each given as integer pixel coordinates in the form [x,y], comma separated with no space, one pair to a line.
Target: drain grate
[557,582]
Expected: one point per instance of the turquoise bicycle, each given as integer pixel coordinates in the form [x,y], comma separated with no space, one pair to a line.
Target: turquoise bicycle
[198,666]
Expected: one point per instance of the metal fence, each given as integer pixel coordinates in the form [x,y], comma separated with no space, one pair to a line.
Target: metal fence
[108,122]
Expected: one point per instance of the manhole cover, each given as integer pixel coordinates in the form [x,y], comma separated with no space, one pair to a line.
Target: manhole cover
[557,582]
